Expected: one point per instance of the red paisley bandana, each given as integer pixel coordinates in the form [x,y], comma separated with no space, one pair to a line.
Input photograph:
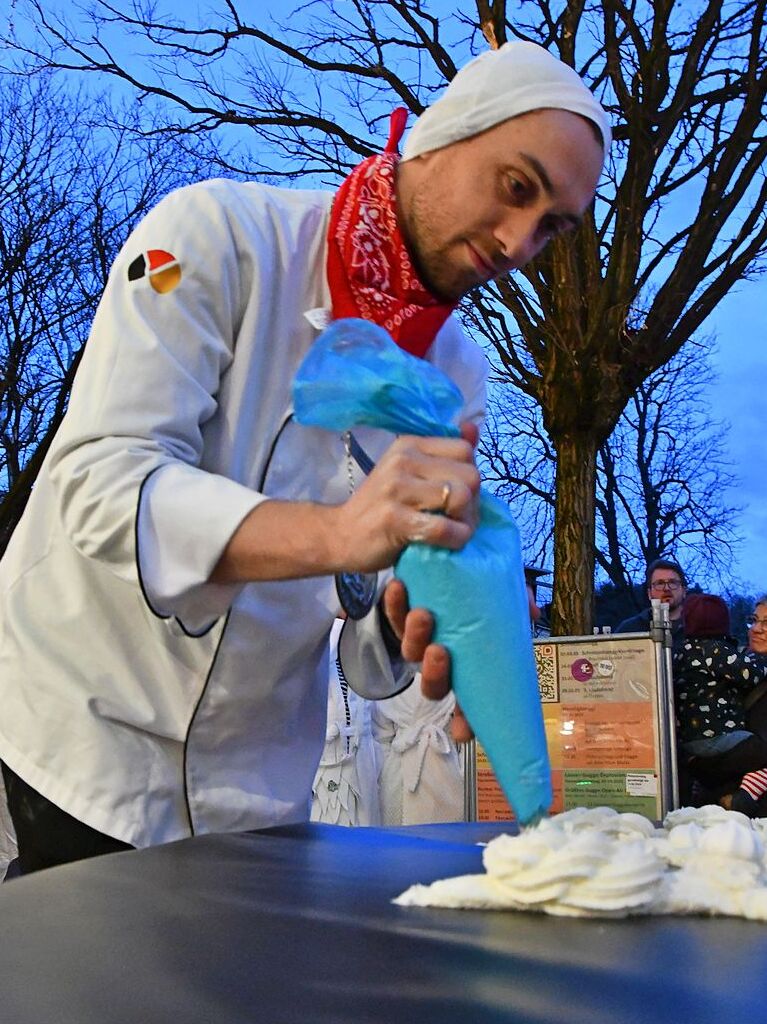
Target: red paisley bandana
[369,270]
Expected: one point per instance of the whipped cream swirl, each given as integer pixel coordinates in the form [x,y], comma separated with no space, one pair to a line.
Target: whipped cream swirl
[596,862]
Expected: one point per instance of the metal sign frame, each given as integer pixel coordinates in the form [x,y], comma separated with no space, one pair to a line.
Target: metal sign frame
[663,701]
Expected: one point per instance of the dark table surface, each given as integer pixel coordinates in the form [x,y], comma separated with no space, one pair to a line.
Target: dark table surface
[296,924]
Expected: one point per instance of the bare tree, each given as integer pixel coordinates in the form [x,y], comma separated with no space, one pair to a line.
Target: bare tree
[68,197]
[596,313]
[662,477]
[518,463]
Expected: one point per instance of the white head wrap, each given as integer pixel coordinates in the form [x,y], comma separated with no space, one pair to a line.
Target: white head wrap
[497,85]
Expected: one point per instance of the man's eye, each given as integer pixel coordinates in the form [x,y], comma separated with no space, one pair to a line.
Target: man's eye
[549,229]
[517,188]
[552,228]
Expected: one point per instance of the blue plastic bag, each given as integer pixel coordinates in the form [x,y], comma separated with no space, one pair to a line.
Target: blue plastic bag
[355,375]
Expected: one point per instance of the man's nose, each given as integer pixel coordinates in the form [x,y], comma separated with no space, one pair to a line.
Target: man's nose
[518,238]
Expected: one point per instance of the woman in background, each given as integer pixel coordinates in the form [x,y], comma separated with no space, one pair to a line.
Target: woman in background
[712,683]
[757,626]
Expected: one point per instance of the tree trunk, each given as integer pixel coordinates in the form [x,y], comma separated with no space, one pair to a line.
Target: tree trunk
[574,545]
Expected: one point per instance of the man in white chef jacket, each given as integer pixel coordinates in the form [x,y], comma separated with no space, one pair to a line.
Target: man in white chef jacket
[167,597]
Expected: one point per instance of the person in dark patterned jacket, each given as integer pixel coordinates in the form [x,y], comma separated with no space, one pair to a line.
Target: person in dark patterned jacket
[711,680]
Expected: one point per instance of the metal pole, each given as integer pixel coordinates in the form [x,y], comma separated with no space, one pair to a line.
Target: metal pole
[660,631]
[469,757]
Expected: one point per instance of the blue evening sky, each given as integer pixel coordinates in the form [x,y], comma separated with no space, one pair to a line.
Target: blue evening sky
[740,397]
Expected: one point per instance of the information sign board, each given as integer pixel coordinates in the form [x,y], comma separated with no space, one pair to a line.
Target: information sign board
[606,713]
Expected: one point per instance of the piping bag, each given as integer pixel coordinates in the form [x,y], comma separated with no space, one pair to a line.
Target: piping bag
[355,375]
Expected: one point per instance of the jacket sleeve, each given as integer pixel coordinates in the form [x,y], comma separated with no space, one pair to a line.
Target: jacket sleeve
[742,669]
[126,464]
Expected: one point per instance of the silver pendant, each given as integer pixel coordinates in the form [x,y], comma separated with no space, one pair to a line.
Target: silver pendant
[356,592]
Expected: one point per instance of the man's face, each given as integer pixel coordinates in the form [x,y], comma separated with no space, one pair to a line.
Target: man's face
[757,633]
[486,205]
[667,586]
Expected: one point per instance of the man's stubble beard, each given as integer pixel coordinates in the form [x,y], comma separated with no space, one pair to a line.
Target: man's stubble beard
[427,259]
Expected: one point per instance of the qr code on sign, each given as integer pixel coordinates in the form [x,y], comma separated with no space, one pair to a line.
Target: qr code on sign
[546,666]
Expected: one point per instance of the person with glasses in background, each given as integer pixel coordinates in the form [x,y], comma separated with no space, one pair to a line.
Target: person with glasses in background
[721,746]
[757,626]
[756,701]
[667,582]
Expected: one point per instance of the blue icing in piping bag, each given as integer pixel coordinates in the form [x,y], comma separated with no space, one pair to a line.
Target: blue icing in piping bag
[355,375]
[479,601]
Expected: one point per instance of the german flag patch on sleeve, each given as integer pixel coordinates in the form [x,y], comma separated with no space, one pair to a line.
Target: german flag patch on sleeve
[161,268]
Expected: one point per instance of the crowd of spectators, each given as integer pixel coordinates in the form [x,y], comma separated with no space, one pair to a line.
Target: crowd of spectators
[720,692]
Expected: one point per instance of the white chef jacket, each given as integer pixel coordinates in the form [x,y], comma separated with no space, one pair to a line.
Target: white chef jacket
[144,700]
[421,775]
[345,788]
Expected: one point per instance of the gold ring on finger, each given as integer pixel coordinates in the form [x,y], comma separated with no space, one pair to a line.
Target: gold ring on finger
[447,490]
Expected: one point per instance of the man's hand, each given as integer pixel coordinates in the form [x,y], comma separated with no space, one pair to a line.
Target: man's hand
[414,629]
[416,478]
[396,504]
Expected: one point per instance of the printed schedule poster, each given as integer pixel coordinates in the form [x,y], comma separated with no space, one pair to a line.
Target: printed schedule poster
[600,708]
